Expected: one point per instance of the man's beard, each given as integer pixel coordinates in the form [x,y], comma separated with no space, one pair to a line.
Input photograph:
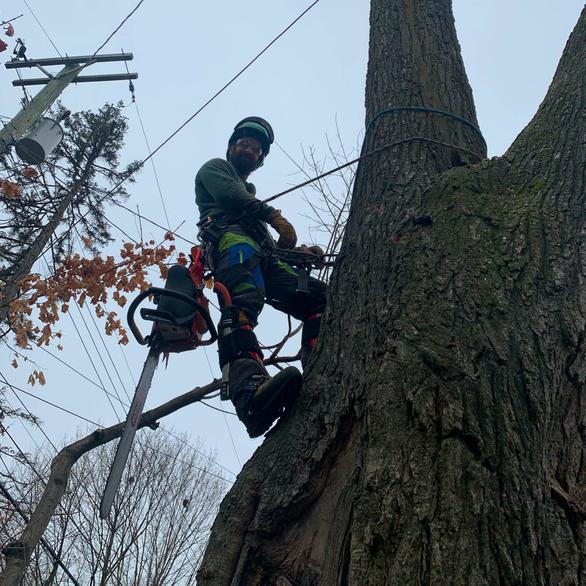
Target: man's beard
[244,164]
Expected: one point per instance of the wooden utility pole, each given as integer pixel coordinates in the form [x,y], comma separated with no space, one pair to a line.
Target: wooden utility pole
[55,85]
[35,109]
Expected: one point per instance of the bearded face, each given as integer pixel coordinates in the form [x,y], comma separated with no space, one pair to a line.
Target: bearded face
[245,154]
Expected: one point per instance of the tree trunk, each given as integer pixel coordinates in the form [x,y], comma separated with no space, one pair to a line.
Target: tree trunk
[439,436]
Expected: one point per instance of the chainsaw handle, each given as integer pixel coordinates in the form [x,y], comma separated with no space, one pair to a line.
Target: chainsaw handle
[177,295]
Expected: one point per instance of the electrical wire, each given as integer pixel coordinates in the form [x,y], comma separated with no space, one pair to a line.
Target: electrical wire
[43,28]
[101,337]
[223,412]
[127,405]
[43,542]
[148,146]
[77,415]
[117,28]
[199,110]
[93,364]
[44,481]
[59,407]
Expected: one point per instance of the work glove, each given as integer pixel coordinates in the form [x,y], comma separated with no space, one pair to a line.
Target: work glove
[314,249]
[287,236]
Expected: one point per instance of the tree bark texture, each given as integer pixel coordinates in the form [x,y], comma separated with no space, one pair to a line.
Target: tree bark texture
[439,436]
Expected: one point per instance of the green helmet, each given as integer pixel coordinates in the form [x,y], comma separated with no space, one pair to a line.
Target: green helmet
[254,127]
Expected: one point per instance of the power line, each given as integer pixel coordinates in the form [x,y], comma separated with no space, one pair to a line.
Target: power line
[99,355]
[153,165]
[44,543]
[79,373]
[33,418]
[232,80]
[97,424]
[223,413]
[198,111]
[43,28]
[45,482]
[53,404]
[117,28]
[92,363]
[178,438]
[101,336]
[146,140]
[127,405]
[127,396]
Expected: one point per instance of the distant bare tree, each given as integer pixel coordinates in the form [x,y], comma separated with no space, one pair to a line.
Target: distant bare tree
[329,197]
[156,531]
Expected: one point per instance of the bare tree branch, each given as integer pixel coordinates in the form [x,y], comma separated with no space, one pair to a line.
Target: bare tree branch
[60,471]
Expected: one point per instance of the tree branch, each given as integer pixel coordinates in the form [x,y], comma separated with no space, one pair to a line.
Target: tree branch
[61,469]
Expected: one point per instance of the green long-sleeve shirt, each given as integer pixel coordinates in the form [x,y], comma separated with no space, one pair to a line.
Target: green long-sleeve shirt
[220,193]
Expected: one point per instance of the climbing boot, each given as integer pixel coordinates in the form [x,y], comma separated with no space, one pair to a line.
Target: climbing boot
[261,400]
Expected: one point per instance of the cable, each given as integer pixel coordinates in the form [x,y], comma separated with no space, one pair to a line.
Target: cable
[199,110]
[80,374]
[43,28]
[221,90]
[153,166]
[370,154]
[97,424]
[54,405]
[99,355]
[117,28]
[179,439]
[223,412]
[101,336]
[127,405]
[93,364]
[44,543]
[146,140]
[124,388]
[33,418]
[34,469]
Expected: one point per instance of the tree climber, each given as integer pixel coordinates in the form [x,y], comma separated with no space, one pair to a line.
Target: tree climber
[234,229]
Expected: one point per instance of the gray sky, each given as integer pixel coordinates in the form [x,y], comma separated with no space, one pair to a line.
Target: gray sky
[313,77]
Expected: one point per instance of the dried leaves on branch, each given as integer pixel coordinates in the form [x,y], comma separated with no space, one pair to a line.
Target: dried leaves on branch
[34,315]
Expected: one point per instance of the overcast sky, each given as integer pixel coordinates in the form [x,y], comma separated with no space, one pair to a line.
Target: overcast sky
[310,80]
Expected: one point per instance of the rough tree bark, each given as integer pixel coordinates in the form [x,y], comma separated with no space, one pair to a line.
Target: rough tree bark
[439,437]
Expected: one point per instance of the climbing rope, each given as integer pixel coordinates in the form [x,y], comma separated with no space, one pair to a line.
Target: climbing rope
[425,110]
[369,127]
[370,154]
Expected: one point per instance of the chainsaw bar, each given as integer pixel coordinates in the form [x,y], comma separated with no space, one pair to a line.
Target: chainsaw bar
[132,420]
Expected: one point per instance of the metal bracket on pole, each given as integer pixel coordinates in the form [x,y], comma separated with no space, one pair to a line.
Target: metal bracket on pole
[26,118]
[78,79]
[54,86]
[68,60]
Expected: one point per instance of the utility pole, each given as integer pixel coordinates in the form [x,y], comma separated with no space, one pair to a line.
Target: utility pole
[54,86]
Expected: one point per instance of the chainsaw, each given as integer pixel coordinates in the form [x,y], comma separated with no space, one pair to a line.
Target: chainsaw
[180,322]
